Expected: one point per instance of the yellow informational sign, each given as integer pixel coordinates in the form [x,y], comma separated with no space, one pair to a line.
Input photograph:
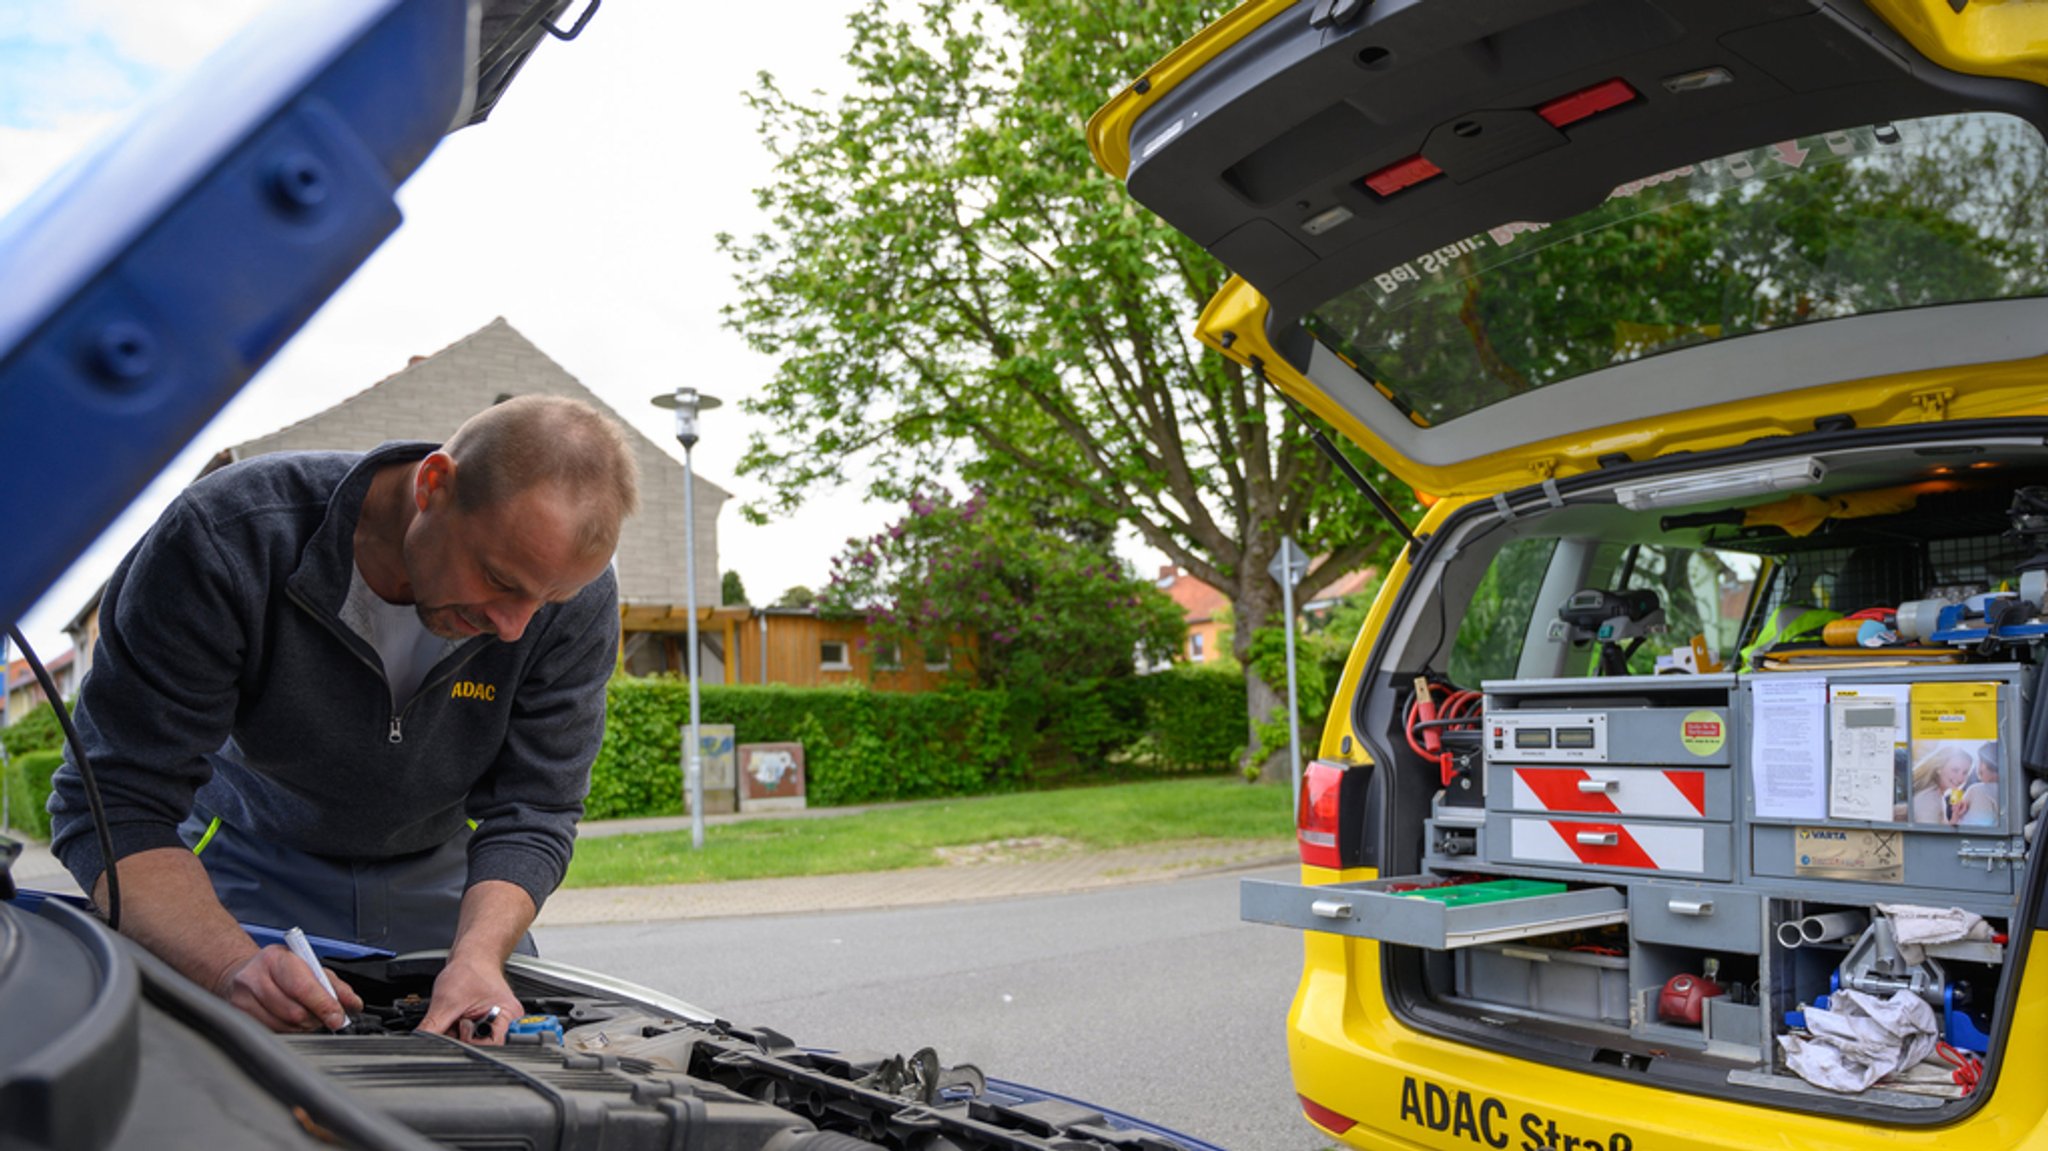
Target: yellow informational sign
[1956,757]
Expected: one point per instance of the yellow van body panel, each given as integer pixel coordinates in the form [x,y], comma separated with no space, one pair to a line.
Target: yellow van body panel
[2006,38]
[1350,1054]
[1109,129]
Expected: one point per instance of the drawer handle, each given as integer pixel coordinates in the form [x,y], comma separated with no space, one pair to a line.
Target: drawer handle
[1697,908]
[1599,786]
[1330,909]
[1599,838]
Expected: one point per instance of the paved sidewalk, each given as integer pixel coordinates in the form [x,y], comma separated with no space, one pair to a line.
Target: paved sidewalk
[995,874]
[1054,874]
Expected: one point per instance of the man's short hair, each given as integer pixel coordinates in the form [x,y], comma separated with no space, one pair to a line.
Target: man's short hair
[533,441]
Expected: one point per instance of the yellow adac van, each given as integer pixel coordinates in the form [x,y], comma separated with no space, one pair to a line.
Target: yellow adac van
[1682,789]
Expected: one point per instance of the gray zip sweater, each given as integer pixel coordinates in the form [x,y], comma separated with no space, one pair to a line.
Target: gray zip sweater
[224,672]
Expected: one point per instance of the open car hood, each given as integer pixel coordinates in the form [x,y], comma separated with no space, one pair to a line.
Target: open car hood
[1383,175]
[148,281]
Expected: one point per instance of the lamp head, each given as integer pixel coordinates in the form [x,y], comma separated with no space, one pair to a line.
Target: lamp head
[686,402]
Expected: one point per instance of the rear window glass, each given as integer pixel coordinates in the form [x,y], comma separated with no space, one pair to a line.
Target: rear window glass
[1879,218]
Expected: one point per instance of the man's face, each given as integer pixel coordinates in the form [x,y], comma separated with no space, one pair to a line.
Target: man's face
[487,571]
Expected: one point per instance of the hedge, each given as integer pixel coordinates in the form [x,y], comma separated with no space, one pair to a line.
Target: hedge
[860,746]
[863,746]
[28,789]
[35,731]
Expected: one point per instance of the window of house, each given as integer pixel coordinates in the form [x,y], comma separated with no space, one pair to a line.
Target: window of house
[938,657]
[1195,647]
[888,655]
[832,655]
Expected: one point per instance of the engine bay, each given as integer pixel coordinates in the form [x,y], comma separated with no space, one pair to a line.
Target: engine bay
[587,1067]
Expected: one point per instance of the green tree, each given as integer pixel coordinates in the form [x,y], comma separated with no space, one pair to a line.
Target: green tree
[951,282]
[731,590]
[1043,601]
[798,596]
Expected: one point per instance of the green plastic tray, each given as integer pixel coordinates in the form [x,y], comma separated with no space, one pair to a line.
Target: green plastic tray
[1465,894]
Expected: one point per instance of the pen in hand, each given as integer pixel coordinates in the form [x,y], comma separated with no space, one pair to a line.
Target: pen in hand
[296,940]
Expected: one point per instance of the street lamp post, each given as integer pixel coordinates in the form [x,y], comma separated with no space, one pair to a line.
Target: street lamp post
[686,402]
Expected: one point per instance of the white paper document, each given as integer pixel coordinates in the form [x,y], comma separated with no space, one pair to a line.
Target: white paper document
[1866,731]
[1788,753]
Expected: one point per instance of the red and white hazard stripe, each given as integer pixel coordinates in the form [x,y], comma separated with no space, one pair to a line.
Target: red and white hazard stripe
[1597,791]
[1644,846]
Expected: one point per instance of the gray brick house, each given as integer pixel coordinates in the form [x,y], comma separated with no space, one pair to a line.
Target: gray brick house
[434,394]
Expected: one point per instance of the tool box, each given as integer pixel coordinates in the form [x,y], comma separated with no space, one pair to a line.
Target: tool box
[1687,860]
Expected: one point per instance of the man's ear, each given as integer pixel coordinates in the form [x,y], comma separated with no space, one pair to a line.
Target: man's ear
[435,480]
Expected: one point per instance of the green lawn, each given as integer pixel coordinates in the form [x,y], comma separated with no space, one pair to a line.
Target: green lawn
[1093,817]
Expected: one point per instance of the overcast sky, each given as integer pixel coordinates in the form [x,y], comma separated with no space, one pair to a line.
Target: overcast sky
[583,212]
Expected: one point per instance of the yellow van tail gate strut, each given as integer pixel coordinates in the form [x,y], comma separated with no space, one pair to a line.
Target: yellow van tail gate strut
[1337,456]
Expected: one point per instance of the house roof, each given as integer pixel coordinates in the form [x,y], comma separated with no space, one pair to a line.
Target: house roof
[1349,584]
[19,674]
[431,396]
[1198,601]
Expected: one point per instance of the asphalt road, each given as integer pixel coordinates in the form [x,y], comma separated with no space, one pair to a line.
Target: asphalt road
[1154,1000]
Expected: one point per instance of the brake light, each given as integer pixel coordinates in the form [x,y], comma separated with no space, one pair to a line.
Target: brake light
[1316,823]
[1325,1118]
[1586,102]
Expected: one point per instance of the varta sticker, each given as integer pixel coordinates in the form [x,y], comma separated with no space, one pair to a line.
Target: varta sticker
[1486,1122]
[470,689]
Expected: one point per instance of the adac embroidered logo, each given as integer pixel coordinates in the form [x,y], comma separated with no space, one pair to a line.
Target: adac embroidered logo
[470,689]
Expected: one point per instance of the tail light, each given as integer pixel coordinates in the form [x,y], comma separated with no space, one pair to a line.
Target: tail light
[1325,1118]
[1316,823]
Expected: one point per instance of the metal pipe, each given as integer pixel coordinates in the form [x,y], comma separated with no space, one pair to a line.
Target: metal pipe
[1789,934]
[1833,926]
[1293,710]
[693,755]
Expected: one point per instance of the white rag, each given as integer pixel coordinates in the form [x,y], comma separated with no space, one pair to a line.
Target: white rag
[1913,926]
[1861,1039]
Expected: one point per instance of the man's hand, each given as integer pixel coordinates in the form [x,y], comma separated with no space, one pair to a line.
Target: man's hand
[168,906]
[464,994]
[280,992]
[495,916]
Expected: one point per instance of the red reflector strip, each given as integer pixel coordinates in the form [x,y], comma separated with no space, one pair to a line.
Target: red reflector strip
[1402,174]
[1587,102]
[1325,1118]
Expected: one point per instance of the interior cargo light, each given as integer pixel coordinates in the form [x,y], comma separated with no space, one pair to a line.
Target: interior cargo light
[1724,484]
[1402,174]
[1316,822]
[1586,102]
[1325,1118]
[1698,81]
[1323,221]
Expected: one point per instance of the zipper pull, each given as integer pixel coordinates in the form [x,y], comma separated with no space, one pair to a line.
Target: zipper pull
[397,735]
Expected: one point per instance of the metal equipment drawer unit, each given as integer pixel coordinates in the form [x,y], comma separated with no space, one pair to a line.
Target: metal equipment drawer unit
[1391,911]
[1696,915]
[1627,846]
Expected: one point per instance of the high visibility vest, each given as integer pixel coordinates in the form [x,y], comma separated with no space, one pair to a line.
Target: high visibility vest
[1789,622]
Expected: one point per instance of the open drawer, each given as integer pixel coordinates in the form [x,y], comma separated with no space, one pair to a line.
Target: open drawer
[1422,911]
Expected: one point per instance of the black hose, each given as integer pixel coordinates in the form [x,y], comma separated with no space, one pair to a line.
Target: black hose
[92,785]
